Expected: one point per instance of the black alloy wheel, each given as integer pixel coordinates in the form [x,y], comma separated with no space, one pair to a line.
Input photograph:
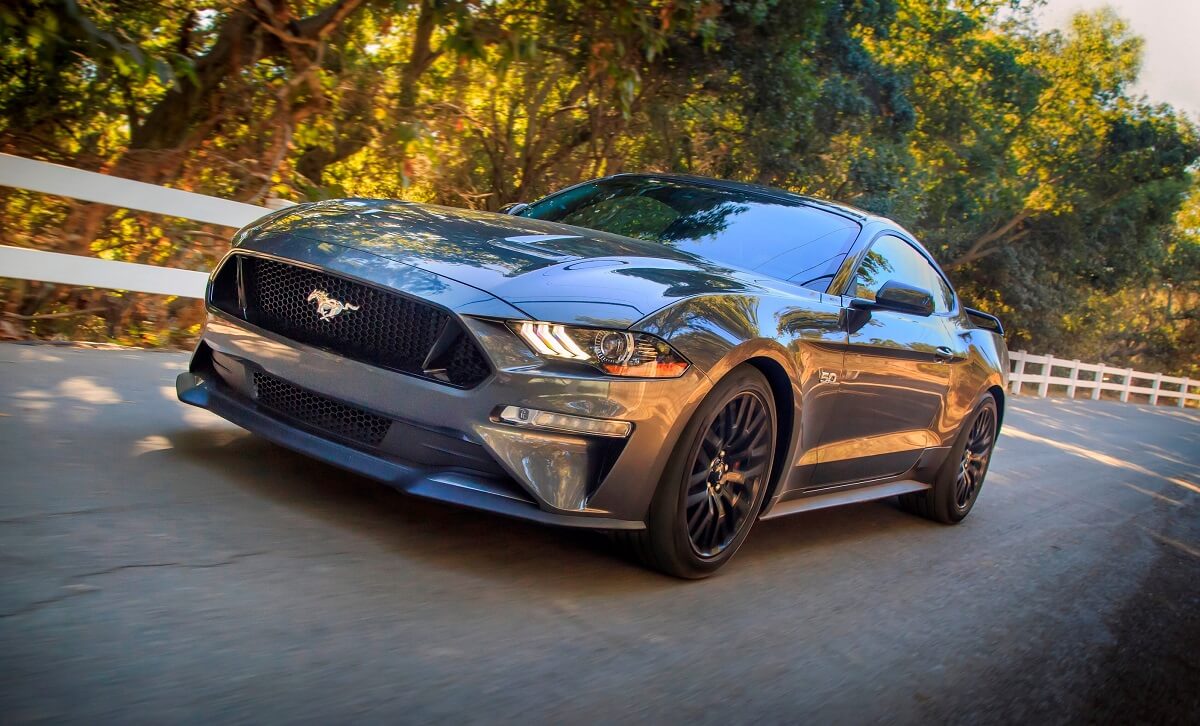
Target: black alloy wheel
[715,482]
[727,471]
[974,460]
[956,484]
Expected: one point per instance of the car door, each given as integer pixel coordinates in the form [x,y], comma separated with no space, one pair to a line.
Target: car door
[896,370]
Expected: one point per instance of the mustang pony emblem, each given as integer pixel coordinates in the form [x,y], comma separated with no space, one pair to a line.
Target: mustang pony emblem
[327,307]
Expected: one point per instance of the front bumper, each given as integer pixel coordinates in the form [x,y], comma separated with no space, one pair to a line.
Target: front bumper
[444,443]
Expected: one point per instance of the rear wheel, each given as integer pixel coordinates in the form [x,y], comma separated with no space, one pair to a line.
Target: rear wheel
[958,481]
[714,484]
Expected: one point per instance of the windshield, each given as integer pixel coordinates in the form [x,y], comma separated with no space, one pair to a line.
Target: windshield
[786,240]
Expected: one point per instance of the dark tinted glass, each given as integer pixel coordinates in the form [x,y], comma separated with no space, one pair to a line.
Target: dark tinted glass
[891,258]
[943,297]
[789,241]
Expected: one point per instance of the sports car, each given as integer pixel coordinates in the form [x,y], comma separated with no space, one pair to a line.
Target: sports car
[666,358]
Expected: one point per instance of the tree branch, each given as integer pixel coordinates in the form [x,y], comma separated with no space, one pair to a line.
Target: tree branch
[979,247]
[980,254]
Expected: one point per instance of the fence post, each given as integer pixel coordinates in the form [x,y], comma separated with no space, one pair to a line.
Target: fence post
[1157,379]
[1074,378]
[1044,381]
[1183,392]
[1128,385]
[1099,382]
[1019,359]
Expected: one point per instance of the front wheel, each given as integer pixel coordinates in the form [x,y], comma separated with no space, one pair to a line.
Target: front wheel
[957,483]
[715,482]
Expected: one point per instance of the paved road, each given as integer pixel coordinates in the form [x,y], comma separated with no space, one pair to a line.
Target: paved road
[159,565]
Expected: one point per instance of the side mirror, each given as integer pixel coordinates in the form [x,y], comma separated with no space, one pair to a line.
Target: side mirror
[901,297]
[513,208]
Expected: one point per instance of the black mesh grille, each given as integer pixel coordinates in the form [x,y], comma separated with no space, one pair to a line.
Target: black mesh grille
[320,412]
[374,326]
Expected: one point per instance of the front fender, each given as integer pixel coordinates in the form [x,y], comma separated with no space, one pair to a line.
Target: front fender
[792,337]
[719,332]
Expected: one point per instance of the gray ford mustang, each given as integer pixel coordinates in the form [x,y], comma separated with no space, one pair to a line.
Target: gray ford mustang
[667,358]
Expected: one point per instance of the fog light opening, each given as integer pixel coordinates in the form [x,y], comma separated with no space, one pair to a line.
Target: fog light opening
[534,418]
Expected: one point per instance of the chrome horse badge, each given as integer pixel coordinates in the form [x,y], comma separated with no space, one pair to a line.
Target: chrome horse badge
[327,307]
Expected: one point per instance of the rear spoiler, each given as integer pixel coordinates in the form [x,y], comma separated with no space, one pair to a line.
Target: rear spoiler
[981,319]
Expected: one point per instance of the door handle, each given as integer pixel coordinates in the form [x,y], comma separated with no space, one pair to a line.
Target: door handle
[943,354]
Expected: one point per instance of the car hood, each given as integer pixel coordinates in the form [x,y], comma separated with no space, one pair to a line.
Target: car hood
[549,271]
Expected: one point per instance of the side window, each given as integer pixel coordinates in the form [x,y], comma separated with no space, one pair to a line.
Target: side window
[943,296]
[891,258]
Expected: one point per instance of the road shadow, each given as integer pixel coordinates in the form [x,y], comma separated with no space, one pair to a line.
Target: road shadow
[488,546]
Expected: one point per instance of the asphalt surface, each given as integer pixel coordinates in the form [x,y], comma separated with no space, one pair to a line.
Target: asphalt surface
[159,565]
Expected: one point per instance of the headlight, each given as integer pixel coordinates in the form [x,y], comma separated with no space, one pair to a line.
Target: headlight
[616,352]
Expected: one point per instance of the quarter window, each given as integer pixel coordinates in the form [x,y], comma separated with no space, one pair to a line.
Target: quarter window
[891,258]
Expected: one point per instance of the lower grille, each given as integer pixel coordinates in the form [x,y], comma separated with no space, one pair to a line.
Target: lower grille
[320,412]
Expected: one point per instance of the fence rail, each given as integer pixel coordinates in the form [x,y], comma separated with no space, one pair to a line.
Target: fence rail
[23,264]
[40,176]
[1095,377]
[64,181]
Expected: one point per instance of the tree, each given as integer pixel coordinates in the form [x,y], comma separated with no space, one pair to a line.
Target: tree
[1020,157]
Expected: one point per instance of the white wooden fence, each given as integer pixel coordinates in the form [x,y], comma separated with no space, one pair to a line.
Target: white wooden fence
[64,181]
[1095,377]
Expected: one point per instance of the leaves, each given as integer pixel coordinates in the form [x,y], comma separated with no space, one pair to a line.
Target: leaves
[1019,156]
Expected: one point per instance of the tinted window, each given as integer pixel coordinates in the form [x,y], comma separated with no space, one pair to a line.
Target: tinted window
[943,296]
[891,258]
[783,239]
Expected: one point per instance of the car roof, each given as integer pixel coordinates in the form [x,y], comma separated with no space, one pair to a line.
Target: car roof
[759,189]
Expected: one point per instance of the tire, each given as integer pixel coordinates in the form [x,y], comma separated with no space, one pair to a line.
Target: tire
[718,474]
[957,483]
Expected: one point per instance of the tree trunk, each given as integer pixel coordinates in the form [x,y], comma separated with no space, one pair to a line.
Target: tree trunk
[157,145]
[313,161]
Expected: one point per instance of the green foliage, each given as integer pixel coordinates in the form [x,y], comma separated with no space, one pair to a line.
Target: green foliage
[1055,197]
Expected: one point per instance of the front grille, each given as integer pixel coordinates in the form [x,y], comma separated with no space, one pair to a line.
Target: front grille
[320,412]
[376,326]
